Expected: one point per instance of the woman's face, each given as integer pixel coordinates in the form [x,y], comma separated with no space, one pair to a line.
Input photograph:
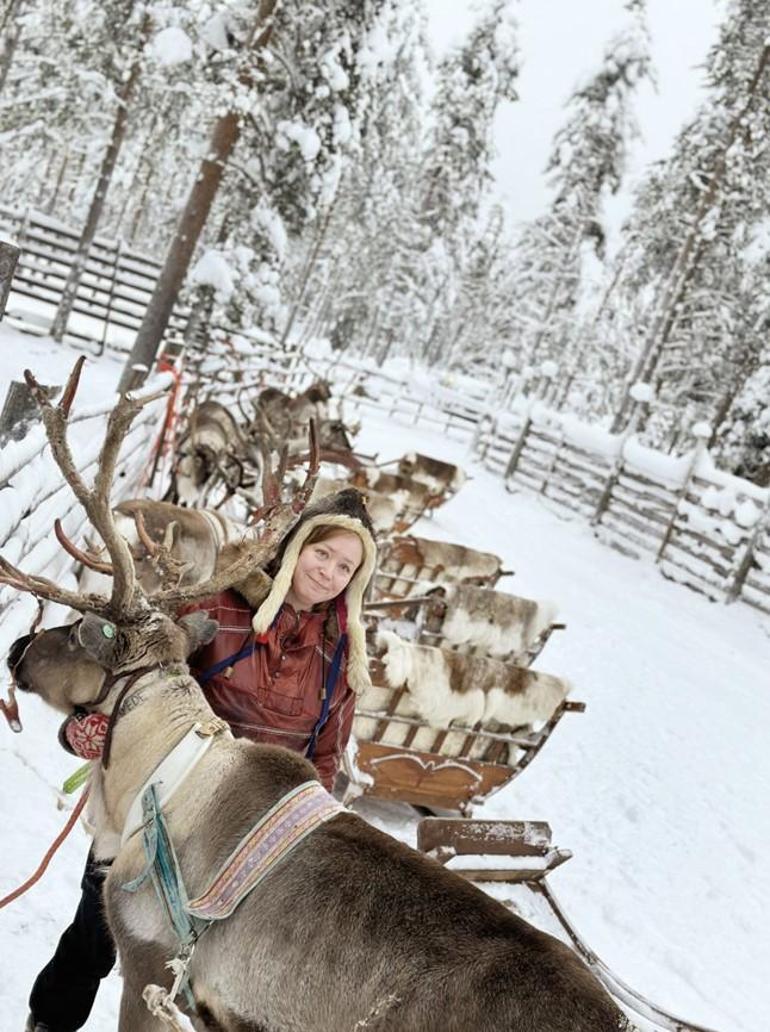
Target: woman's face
[324,569]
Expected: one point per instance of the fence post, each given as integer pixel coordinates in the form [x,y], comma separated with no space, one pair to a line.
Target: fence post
[604,500]
[518,448]
[702,433]
[20,410]
[746,563]
[111,293]
[9,256]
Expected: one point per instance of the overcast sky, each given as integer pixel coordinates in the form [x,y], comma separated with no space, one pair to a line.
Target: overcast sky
[561,42]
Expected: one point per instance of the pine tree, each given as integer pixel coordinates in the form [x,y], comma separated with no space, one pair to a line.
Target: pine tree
[588,161]
[693,220]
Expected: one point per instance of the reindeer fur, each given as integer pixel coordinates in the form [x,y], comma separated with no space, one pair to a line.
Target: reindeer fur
[352,931]
[493,622]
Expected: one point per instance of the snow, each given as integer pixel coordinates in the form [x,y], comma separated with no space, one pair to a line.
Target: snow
[659,789]
[306,138]
[642,392]
[212,270]
[171,46]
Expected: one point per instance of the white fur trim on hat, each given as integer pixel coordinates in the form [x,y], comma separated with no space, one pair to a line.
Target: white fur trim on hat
[358,664]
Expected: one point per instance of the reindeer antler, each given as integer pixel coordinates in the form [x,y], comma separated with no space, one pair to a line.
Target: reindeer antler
[126,597]
[279,517]
[86,558]
[170,569]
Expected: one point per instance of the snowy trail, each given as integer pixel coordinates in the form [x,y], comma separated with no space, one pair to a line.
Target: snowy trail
[659,789]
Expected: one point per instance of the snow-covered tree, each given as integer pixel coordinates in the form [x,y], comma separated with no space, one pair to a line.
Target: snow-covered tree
[556,254]
[693,223]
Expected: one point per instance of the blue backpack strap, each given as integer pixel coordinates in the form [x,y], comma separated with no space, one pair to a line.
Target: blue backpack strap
[217,668]
[236,657]
[331,682]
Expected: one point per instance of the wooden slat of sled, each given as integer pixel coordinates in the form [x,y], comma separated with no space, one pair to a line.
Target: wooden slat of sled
[427,779]
[448,837]
[444,838]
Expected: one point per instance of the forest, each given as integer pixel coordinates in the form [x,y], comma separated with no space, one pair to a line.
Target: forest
[314,171]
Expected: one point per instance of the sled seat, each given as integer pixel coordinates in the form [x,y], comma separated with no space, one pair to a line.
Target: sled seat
[407,563]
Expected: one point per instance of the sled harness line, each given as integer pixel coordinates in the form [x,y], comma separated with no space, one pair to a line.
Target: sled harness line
[71,821]
[296,814]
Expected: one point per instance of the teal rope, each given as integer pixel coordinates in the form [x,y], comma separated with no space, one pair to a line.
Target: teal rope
[163,868]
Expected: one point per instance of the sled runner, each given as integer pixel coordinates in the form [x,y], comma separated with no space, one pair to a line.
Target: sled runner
[407,563]
[443,730]
[525,856]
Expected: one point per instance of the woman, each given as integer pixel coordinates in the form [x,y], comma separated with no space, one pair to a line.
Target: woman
[284,668]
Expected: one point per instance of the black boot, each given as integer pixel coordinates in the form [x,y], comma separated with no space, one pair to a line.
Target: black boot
[65,990]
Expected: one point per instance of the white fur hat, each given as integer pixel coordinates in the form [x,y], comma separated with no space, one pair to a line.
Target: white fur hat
[345,510]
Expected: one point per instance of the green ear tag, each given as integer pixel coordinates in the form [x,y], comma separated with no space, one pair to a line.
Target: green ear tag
[108,630]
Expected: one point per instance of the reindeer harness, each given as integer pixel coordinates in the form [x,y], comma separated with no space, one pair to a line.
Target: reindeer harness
[295,816]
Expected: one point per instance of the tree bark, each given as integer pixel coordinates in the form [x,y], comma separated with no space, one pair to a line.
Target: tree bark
[224,137]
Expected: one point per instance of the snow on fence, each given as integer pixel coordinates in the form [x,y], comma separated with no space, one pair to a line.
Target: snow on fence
[417,401]
[113,292]
[705,528]
[34,494]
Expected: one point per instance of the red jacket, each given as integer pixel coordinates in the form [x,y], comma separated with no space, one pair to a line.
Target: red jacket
[275,694]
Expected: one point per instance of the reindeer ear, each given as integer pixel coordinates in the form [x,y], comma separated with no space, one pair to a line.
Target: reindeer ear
[198,628]
[99,638]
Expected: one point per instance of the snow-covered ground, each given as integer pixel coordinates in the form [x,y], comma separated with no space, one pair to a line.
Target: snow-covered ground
[660,789]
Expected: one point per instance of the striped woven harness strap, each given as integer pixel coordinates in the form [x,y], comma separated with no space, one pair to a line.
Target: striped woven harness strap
[296,814]
[271,840]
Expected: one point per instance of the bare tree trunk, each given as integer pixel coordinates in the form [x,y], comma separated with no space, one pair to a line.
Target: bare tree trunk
[96,207]
[686,262]
[59,180]
[189,227]
[9,48]
[306,273]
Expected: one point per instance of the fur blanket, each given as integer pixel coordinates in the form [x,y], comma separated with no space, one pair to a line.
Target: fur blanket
[445,688]
[493,623]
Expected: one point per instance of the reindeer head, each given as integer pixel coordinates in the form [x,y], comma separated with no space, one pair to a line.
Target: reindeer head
[75,664]
[131,630]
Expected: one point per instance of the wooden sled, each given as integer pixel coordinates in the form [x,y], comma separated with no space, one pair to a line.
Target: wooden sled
[413,497]
[443,479]
[507,627]
[529,857]
[406,564]
[399,755]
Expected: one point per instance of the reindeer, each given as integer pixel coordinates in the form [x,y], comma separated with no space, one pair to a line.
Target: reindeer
[214,452]
[219,454]
[352,930]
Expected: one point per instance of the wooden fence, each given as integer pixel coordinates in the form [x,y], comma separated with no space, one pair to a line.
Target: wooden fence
[705,528]
[34,495]
[113,292]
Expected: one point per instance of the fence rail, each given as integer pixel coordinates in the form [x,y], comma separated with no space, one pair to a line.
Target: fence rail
[114,289]
[704,528]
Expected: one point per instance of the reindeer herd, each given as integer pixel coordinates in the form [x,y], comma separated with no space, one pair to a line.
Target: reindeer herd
[354,930]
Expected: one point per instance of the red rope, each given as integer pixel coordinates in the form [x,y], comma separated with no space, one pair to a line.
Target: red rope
[165,441]
[49,855]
